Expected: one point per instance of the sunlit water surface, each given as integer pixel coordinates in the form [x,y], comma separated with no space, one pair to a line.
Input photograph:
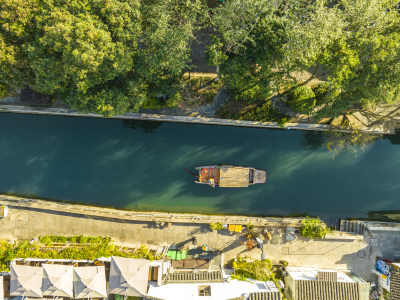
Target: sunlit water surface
[140,165]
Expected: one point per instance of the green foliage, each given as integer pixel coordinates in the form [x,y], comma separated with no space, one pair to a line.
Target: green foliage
[199,90]
[284,262]
[263,113]
[313,228]
[320,91]
[3,90]
[79,239]
[355,43]
[302,99]
[248,48]
[355,141]
[216,226]
[91,248]
[104,56]
[258,269]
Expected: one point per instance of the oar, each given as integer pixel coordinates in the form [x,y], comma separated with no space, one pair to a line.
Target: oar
[192,173]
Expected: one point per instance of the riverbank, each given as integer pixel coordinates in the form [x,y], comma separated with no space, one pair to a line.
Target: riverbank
[29,218]
[58,111]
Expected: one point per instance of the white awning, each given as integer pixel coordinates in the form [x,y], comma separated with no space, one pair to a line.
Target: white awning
[90,282]
[129,277]
[26,281]
[57,281]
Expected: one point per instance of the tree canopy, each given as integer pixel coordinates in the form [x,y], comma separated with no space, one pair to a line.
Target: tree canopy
[260,44]
[110,56]
[105,56]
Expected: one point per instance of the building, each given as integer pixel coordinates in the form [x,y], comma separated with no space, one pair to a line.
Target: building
[229,289]
[119,277]
[321,284]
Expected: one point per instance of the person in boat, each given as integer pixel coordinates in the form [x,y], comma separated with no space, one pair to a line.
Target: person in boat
[211,182]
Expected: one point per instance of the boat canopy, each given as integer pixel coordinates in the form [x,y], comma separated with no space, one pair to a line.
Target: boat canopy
[234,176]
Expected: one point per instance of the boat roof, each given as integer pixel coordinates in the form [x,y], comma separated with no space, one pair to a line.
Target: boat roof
[234,176]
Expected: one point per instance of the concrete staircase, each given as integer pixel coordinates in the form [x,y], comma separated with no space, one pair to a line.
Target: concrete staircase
[353,226]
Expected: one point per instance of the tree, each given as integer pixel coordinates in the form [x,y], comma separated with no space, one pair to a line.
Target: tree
[105,56]
[69,47]
[167,29]
[248,47]
[357,43]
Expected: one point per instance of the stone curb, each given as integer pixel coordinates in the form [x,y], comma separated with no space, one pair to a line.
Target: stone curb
[177,119]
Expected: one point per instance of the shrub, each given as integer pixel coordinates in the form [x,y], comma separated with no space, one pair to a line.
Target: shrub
[302,99]
[216,226]
[313,228]
[3,90]
[284,262]
[263,113]
[320,91]
[258,269]
[174,101]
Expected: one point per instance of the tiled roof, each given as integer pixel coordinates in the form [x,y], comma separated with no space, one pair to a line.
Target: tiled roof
[186,277]
[395,285]
[327,276]
[326,290]
[265,296]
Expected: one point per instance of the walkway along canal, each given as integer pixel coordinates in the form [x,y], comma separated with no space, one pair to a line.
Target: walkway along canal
[140,165]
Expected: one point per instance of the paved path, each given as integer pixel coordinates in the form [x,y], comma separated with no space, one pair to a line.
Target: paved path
[338,251]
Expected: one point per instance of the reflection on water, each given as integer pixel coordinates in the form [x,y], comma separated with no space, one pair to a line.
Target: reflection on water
[312,140]
[144,126]
[118,163]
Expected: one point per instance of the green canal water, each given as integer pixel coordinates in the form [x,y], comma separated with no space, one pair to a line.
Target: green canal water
[140,165]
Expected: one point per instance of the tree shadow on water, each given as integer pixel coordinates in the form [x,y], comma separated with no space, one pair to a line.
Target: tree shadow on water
[312,140]
[143,126]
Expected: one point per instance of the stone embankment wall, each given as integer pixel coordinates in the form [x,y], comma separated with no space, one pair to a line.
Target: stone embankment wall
[93,211]
[179,119]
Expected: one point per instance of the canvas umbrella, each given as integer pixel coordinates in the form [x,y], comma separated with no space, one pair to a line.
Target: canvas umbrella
[57,281]
[26,281]
[90,282]
[128,277]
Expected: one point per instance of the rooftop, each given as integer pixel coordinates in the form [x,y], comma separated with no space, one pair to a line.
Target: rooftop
[302,273]
[232,288]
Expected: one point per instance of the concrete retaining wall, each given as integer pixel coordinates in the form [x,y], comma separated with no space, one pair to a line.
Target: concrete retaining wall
[178,119]
[143,216]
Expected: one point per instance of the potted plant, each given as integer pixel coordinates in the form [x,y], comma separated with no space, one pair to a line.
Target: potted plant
[3,211]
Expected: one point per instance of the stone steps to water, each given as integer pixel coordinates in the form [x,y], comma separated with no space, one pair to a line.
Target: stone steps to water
[352,226]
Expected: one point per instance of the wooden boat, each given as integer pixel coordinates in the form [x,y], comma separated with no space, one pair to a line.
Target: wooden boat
[230,176]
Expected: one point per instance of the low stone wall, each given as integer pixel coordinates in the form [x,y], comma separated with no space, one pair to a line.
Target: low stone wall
[178,119]
[77,209]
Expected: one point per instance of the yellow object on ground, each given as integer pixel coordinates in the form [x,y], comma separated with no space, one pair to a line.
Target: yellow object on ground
[231,227]
[238,228]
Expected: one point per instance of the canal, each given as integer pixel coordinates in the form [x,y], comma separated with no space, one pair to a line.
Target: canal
[140,165]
